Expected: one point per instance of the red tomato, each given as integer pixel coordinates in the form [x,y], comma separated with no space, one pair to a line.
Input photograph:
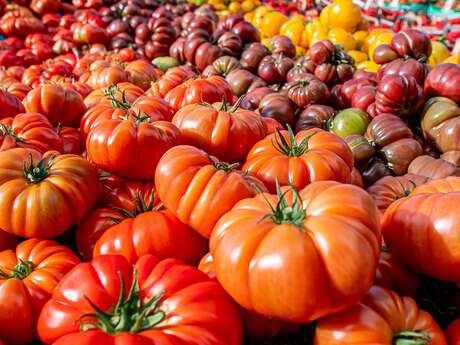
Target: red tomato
[10,105]
[28,277]
[168,303]
[453,333]
[383,318]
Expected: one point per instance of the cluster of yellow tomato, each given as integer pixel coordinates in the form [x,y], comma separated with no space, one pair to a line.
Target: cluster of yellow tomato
[227,7]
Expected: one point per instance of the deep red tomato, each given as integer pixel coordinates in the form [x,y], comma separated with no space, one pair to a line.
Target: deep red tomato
[164,302]
[453,333]
[72,140]
[444,80]
[426,219]
[308,156]
[383,318]
[210,90]
[30,130]
[28,276]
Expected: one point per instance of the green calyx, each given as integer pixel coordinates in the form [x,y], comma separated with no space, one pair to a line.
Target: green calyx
[122,103]
[283,213]
[141,207]
[411,338]
[289,147]
[130,314]
[224,106]
[227,167]
[20,271]
[8,131]
[36,173]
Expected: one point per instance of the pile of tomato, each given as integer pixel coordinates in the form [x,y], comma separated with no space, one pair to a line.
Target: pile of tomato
[174,174]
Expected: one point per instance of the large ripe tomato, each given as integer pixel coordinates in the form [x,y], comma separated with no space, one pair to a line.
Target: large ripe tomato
[227,133]
[255,326]
[432,168]
[210,90]
[15,87]
[154,302]
[130,147]
[157,232]
[391,188]
[142,73]
[453,333]
[199,189]
[383,318]
[10,105]
[299,256]
[105,76]
[309,156]
[59,104]
[28,278]
[72,140]
[426,221]
[43,195]
[30,130]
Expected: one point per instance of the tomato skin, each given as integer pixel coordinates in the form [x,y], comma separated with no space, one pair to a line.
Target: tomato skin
[158,233]
[296,274]
[172,78]
[328,158]
[130,149]
[31,130]
[22,300]
[59,104]
[72,141]
[190,295]
[376,320]
[453,333]
[196,191]
[426,219]
[228,135]
[212,89]
[64,196]
[10,104]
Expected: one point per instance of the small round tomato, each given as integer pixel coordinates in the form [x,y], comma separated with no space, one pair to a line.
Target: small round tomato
[349,121]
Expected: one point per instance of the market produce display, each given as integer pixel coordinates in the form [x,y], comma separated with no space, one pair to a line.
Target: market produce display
[227,173]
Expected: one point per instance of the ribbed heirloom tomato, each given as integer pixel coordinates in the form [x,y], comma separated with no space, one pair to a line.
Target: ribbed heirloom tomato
[30,130]
[427,222]
[224,132]
[59,104]
[199,189]
[300,159]
[108,301]
[151,230]
[383,318]
[28,276]
[298,256]
[43,195]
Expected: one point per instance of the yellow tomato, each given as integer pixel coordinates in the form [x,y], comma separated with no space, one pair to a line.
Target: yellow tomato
[223,14]
[247,5]
[300,51]
[293,29]
[453,59]
[249,16]
[312,32]
[272,22]
[368,66]
[341,14]
[384,38]
[259,13]
[360,37]
[372,37]
[235,7]
[342,37]
[265,41]
[358,56]
[439,53]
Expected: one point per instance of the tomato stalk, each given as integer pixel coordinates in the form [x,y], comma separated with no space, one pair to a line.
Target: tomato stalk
[224,105]
[128,315]
[283,213]
[227,167]
[39,172]
[289,147]
[20,271]
[411,338]
[141,207]
[8,131]
[117,103]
